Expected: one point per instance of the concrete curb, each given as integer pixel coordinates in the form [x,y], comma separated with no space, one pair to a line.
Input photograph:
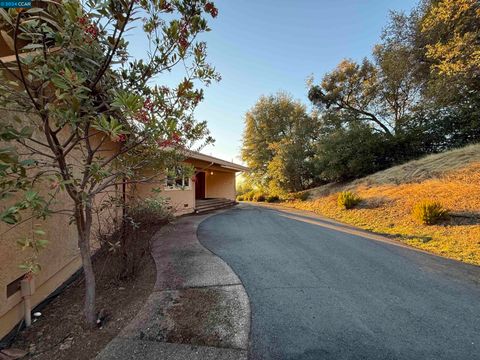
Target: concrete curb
[198,309]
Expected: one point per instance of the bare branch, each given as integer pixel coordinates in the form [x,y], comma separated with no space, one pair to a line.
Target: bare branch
[371,116]
[10,71]
[38,142]
[123,151]
[110,184]
[36,151]
[109,58]
[19,63]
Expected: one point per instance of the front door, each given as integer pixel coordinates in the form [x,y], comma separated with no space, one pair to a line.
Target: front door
[200,185]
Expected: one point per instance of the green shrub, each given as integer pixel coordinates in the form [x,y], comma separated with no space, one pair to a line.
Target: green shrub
[151,209]
[243,188]
[301,195]
[348,200]
[128,241]
[272,198]
[429,212]
[260,197]
[249,196]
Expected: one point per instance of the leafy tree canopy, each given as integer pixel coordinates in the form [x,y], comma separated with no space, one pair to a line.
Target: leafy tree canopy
[453,27]
[274,122]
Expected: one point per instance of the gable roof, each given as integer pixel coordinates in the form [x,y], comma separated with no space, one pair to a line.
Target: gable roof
[222,163]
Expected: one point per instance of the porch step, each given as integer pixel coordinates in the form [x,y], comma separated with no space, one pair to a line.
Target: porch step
[215,207]
[205,205]
[204,202]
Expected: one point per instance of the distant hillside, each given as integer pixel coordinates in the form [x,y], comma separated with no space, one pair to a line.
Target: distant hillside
[452,178]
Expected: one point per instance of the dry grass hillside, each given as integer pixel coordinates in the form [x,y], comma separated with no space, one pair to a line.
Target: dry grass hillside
[452,178]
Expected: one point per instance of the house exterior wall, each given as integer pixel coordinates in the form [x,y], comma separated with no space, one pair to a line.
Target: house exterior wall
[58,261]
[181,201]
[220,184]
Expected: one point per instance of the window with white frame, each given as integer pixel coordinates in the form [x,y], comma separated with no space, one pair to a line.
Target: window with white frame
[176,179]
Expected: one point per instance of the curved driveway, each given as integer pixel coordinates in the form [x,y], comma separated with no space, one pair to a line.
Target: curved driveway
[323,290]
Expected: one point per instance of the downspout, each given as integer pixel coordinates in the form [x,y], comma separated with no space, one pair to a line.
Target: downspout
[124,197]
[124,216]
[27,287]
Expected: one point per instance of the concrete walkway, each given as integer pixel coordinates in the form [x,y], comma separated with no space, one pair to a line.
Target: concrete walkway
[197,310]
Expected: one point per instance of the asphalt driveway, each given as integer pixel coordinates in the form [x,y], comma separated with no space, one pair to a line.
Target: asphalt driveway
[322,290]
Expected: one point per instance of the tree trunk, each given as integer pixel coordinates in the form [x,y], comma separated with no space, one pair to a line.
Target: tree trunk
[84,225]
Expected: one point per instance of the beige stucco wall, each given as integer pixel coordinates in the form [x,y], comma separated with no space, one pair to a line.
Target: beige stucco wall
[220,184]
[181,201]
[58,261]
[61,251]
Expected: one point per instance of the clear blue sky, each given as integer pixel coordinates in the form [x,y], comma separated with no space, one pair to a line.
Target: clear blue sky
[264,46]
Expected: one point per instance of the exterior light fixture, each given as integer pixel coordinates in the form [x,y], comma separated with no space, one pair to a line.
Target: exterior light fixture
[211,172]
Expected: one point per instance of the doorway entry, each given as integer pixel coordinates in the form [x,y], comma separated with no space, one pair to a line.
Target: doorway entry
[200,185]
